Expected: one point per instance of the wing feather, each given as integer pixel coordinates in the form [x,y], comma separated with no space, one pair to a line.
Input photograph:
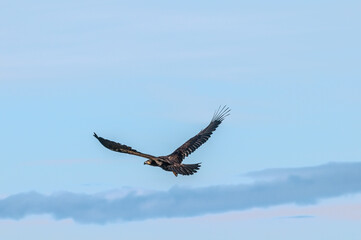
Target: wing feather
[117,147]
[195,142]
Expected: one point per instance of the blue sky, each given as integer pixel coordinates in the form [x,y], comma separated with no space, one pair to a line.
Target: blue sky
[151,75]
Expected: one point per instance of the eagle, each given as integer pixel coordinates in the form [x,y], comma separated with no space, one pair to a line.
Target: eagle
[173,161]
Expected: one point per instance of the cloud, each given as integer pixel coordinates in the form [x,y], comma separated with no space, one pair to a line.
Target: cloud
[282,186]
[308,172]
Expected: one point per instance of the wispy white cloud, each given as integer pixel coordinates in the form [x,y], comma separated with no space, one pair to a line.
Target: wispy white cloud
[297,186]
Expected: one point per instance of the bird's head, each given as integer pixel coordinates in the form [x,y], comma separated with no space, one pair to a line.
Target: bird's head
[148,162]
[151,163]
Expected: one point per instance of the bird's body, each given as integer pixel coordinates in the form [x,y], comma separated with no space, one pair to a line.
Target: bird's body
[173,161]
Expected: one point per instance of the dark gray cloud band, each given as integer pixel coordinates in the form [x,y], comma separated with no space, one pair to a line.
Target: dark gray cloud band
[277,186]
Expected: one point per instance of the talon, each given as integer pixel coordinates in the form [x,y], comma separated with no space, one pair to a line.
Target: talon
[175,174]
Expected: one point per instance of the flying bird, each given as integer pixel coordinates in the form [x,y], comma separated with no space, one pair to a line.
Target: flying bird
[173,161]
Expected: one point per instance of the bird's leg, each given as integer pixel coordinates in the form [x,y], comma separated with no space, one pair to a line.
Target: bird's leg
[175,174]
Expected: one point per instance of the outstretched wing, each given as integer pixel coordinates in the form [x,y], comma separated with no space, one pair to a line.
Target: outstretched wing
[117,147]
[195,142]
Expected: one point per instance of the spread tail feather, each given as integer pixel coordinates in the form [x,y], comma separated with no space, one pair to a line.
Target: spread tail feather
[192,168]
[185,169]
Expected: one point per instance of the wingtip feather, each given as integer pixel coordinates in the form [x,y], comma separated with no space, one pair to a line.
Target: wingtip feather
[221,113]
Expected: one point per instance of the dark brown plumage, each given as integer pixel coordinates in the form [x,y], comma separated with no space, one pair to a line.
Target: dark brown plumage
[173,161]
